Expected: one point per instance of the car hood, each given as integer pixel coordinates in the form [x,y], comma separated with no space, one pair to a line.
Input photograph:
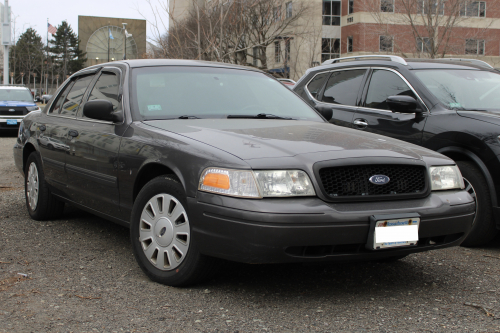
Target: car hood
[16,103]
[487,116]
[264,138]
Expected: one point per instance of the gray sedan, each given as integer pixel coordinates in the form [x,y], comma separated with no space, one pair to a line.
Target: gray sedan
[208,161]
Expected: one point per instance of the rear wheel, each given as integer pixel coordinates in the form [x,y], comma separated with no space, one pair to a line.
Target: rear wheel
[483,228]
[161,237]
[41,203]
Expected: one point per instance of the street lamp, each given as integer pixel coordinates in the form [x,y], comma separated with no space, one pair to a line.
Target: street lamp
[96,60]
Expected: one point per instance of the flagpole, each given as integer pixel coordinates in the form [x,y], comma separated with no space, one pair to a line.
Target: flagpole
[109,32]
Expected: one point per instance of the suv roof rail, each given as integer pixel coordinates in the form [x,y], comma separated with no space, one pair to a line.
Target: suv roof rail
[473,61]
[363,57]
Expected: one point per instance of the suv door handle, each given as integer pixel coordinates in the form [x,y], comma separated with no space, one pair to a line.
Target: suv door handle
[360,123]
[73,133]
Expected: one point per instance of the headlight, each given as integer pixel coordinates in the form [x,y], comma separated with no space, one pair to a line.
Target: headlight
[33,108]
[446,177]
[256,184]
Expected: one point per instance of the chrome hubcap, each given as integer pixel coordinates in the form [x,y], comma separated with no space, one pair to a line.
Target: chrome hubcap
[472,192]
[32,186]
[164,232]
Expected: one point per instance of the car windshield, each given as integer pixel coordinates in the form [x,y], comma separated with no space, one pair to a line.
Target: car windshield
[206,92]
[463,89]
[18,95]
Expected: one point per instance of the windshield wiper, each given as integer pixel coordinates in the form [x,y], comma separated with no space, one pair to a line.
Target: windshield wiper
[259,116]
[188,117]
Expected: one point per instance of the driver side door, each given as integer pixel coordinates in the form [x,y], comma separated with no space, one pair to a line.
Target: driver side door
[374,114]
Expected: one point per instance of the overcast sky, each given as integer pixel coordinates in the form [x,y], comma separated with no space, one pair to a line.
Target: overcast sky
[34,13]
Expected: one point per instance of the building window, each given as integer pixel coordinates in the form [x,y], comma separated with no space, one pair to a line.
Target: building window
[255,56]
[474,46]
[386,44]
[473,9]
[277,13]
[349,44]
[331,12]
[287,49]
[330,48]
[424,44]
[277,51]
[387,6]
[431,6]
[288,9]
[350,8]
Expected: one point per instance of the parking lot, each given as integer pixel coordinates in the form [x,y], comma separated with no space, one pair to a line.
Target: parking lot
[78,274]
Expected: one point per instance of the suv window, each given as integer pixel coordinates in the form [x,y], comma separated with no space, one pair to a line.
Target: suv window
[343,86]
[75,95]
[382,85]
[106,88]
[316,83]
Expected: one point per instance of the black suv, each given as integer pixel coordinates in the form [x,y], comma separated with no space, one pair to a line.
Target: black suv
[449,105]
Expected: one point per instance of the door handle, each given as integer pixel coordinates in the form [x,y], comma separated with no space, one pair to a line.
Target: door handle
[360,123]
[73,133]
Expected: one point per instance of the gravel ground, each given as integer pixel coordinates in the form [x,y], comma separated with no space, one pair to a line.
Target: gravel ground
[81,277]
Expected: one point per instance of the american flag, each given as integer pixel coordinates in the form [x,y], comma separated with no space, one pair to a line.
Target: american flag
[51,28]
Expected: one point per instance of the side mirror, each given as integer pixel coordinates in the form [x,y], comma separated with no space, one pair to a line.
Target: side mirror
[325,111]
[101,109]
[403,104]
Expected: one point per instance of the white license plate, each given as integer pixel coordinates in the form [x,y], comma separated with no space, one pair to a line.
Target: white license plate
[396,232]
[11,121]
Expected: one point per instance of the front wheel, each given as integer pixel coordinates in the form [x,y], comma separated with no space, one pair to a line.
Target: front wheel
[483,228]
[161,236]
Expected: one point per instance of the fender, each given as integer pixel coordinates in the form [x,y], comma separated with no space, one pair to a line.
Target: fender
[486,174]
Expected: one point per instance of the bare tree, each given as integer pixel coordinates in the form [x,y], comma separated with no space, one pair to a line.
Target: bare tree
[437,26]
[225,31]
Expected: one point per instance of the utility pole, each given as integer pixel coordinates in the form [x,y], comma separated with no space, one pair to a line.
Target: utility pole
[6,41]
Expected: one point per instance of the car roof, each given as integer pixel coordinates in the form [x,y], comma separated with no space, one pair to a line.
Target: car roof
[13,87]
[136,63]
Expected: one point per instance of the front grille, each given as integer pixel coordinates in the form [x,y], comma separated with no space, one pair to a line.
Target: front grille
[353,181]
[18,111]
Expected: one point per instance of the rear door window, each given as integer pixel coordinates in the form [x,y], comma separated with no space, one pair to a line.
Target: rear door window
[56,109]
[383,84]
[74,97]
[316,84]
[343,86]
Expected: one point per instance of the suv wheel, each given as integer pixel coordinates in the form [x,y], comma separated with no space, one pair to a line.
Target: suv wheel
[483,228]
[161,236]
[41,203]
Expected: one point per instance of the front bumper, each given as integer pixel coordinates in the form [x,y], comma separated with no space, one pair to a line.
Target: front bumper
[4,125]
[309,229]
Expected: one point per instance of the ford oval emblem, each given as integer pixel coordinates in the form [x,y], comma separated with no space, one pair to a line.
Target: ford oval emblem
[379,179]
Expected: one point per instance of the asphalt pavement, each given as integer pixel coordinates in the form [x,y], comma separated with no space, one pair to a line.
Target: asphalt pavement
[78,274]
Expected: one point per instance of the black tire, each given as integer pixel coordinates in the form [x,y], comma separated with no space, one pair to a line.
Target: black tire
[484,228]
[49,207]
[195,267]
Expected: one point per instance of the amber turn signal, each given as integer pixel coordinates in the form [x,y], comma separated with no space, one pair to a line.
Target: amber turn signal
[217,180]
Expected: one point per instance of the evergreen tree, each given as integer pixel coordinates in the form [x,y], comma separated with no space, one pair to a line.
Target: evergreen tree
[66,50]
[29,55]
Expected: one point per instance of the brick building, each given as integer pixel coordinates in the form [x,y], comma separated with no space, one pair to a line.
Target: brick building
[339,28]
